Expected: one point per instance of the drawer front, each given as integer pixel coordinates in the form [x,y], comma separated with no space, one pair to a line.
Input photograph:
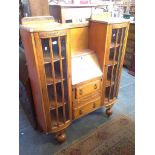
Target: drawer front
[86,89]
[85,109]
[86,99]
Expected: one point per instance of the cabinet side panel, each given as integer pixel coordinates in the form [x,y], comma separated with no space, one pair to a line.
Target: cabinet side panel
[97,40]
[29,46]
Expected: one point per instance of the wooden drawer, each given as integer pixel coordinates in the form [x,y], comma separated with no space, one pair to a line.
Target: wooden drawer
[88,107]
[86,99]
[87,88]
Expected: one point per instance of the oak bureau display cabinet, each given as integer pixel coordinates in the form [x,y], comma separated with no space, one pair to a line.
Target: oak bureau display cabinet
[74,69]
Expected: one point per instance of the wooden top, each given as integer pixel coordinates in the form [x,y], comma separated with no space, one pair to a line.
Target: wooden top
[110,20]
[47,23]
[85,67]
[37,19]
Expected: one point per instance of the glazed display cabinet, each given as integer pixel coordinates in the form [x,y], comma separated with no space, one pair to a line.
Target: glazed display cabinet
[74,69]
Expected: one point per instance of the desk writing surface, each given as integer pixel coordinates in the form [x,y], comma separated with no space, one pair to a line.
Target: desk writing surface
[85,67]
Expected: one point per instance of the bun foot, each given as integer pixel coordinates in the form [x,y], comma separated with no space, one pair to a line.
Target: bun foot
[60,136]
[109,112]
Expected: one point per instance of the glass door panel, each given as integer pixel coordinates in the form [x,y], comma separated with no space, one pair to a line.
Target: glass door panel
[55,65]
[118,58]
[115,59]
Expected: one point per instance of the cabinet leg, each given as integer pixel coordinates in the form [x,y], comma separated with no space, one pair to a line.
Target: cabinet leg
[109,111]
[60,136]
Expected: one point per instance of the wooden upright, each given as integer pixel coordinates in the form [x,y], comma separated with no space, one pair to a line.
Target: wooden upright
[74,69]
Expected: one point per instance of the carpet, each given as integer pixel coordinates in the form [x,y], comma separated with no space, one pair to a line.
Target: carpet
[115,137]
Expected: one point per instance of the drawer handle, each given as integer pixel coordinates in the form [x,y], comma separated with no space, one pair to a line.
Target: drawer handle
[81,92]
[94,105]
[80,112]
[95,86]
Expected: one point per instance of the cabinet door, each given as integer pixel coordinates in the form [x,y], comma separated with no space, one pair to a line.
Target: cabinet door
[114,64]
[54,73]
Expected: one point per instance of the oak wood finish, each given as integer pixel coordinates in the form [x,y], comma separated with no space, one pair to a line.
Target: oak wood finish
[52,52]
[88,88]
[78,39]
[87,107]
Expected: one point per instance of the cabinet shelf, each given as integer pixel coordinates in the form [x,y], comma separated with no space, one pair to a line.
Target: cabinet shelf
[47,59]
[59,104]
[50,81]
[112,45]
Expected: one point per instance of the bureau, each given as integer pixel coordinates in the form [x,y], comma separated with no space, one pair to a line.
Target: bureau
[74,69]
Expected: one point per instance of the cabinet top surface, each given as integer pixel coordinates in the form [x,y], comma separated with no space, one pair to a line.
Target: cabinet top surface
[47,23]
[110,20]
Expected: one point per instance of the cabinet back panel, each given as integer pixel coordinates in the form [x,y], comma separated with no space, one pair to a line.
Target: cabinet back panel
[78,39]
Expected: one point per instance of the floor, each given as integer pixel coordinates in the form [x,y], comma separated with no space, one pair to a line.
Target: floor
[33,142]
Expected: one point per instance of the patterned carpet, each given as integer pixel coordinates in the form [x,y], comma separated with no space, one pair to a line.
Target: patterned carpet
[116,137]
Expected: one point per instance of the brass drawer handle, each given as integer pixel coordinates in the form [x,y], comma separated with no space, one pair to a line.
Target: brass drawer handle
[94,105]
[80,112]
[80,92]
[95,86]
